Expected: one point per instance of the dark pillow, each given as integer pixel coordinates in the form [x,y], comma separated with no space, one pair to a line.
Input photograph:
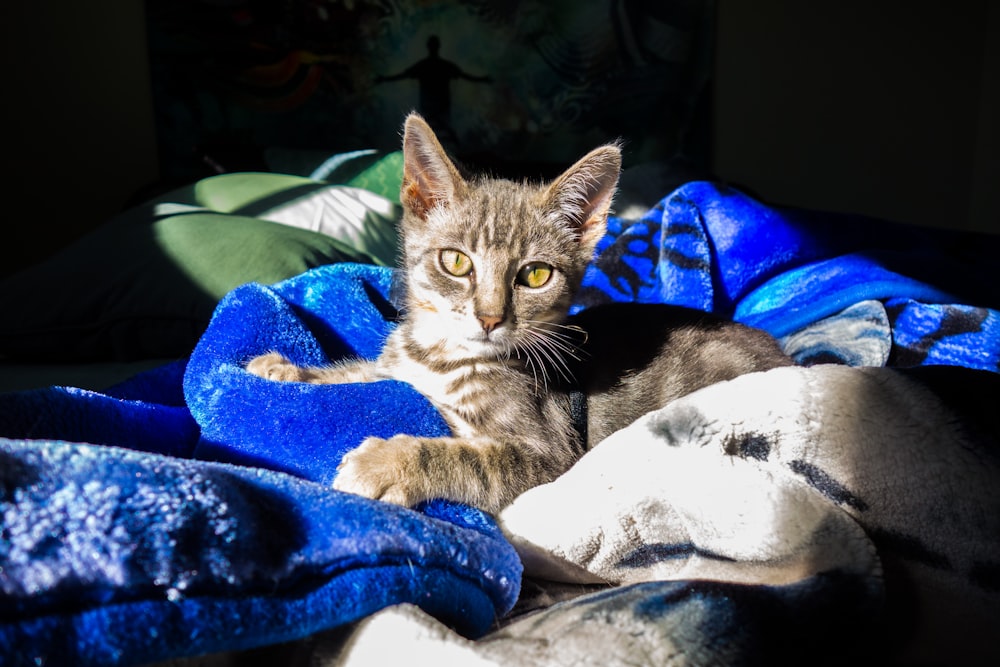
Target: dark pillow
[142,287]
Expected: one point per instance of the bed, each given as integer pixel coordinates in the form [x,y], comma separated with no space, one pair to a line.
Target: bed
[170,508]
[160,506]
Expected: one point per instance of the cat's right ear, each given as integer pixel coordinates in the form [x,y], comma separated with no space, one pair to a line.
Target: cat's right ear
[582,195]
[430,179]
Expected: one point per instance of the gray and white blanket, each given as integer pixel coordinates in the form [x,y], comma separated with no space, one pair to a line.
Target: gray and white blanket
[824,515]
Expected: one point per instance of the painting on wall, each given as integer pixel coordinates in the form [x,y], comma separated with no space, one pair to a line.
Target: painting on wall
[509,86]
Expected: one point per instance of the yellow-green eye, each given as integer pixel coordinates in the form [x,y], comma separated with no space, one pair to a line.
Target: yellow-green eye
[534,275]
[456,263]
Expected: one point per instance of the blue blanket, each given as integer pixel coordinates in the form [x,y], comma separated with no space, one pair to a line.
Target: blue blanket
[144,545]
[786,270]
[188,510]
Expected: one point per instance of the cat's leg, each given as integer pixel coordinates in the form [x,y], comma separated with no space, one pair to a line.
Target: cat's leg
[406,470]
[274,366]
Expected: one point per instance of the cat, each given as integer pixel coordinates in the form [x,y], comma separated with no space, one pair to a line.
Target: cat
[489,269]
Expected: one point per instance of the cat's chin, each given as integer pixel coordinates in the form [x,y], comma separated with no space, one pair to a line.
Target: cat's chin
[455,346]
[482,347]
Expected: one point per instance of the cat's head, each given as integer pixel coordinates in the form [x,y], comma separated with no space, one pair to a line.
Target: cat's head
[488,262]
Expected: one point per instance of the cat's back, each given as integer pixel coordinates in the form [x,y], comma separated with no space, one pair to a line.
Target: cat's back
[638,357]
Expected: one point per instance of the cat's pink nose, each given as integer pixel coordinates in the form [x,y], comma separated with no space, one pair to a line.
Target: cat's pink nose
[489,322]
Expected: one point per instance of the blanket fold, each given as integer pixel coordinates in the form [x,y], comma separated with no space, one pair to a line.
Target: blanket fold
[888,479]
[119,557]
[713,248]
[143,541]
[303,429]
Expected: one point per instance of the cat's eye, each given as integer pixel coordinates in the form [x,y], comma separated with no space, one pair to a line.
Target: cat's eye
[455,262]
[534,275]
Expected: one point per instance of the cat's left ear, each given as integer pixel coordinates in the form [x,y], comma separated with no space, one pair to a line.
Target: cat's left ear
[583,193]
[430,179]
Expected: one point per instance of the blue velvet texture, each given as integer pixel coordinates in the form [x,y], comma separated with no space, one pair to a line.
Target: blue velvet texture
[123,556]
[331,312]
[716,249]
[196,513]
[112,556]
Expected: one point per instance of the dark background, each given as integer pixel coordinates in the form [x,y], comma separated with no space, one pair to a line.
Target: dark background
[889,108]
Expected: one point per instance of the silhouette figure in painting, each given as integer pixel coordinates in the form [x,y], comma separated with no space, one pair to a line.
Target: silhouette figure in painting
[434,75]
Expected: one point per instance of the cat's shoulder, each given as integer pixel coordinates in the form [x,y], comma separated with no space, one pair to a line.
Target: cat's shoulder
[618,336]
[636,321]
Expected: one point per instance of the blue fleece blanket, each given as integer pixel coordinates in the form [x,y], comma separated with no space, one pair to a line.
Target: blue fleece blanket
[199,517]
[788,271]
[189,510]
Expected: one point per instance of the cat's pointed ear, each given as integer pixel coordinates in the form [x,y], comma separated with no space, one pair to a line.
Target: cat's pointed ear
[583,193]
[430,179]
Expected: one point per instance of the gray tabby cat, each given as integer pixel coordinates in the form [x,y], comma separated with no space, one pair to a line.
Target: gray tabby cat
[491,267]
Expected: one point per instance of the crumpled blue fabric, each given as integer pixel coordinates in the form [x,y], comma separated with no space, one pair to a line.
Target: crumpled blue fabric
[206,522]
[333,312]
[716,249]
[112,556]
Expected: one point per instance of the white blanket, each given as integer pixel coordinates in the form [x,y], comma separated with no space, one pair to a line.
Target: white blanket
[848,513]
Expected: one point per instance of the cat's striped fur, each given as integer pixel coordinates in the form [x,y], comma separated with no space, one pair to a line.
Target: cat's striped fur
[490,268]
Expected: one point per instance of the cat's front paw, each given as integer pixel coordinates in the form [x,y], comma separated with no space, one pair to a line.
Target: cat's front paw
[383,469]
[274,366]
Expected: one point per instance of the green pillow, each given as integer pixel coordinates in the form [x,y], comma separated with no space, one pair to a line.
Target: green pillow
[144,286]
[384,178]
[362,219]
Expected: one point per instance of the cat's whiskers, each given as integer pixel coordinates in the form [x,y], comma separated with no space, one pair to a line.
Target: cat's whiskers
[546,348]
[556,360]
[566,343]
[529,360]
[552,328]
[506,350]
